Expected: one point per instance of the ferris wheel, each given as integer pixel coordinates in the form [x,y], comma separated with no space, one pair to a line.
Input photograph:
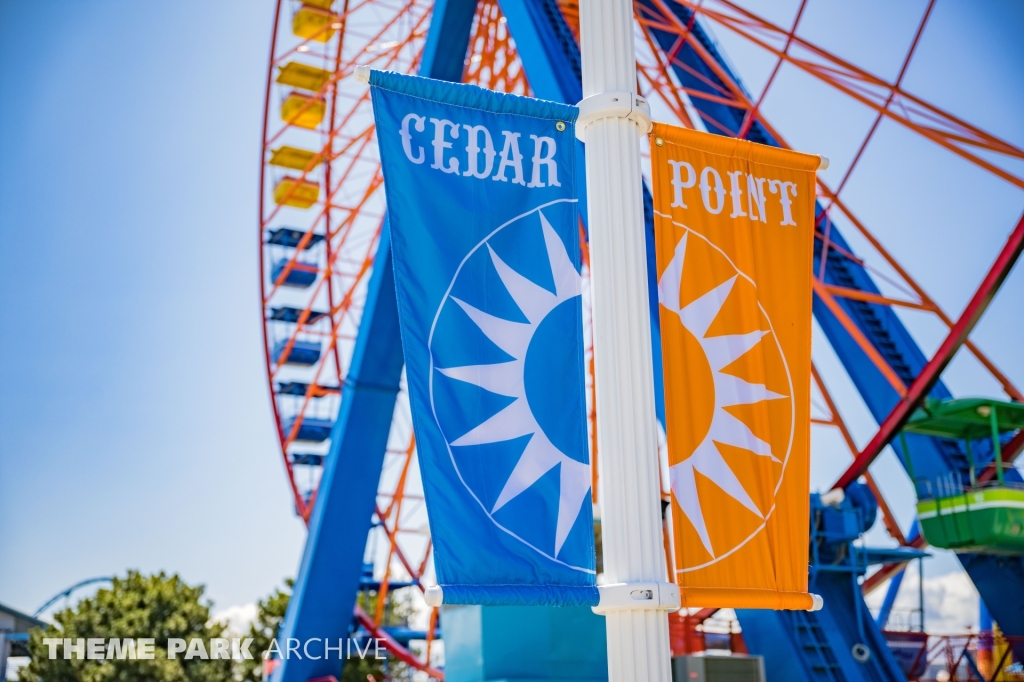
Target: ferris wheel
[333,359]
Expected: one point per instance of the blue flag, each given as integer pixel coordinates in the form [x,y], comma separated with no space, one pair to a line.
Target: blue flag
[481,197]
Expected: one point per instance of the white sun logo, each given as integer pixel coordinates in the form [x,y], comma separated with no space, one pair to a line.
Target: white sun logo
[725,429]
[508,379]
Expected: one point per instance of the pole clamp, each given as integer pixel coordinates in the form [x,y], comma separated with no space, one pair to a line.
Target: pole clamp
[625,105]
[434,595]
[637,597]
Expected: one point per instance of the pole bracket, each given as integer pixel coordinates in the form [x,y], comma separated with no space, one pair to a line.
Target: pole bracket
[625,105]
[637,597]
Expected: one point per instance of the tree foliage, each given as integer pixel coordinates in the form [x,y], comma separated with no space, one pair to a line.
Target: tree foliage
[136,606]
[162,607]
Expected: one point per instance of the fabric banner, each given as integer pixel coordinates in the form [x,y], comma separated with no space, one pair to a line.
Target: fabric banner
[734,224]
[481,197]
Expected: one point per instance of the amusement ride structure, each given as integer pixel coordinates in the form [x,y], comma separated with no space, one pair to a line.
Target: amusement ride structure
[334,356]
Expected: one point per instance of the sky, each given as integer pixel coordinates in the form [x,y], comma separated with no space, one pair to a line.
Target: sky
[135,425]
[136,428]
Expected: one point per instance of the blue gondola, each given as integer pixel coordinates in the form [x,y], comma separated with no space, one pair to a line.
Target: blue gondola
[299,388]
[300,276]
[307,458]
[289,236]
[303,353]
[311,430]
[286,314]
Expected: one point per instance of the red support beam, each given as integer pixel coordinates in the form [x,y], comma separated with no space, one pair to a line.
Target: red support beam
[394,646]
[928,377]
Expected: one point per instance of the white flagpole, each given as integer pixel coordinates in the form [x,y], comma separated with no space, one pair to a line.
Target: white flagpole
[612,119]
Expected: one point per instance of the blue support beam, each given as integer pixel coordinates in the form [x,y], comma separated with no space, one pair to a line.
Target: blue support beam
[890,598]
[547,49]
[894,584]
[444,54]
[999,580]
[332,563]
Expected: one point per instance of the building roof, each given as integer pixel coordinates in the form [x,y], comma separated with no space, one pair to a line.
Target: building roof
[16,621]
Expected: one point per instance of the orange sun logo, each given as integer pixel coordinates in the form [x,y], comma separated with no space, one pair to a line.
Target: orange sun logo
[728,465]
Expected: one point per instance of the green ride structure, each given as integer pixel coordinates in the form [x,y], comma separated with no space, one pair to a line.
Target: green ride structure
[983,515]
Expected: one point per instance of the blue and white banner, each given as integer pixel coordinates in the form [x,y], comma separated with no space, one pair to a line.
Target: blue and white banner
[481,196]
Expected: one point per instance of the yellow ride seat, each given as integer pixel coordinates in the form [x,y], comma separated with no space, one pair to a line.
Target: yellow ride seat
[305,111]
[292,157]
[313,23]
[303,76]
[295,192]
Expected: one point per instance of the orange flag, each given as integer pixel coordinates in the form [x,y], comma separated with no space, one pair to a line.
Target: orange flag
[734,225]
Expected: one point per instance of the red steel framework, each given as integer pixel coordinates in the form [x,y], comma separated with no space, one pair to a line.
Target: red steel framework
[347,217]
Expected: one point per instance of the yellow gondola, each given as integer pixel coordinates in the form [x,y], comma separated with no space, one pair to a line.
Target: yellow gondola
[303,76]
[302,110]
[313,23]
[292,157]
[295,192]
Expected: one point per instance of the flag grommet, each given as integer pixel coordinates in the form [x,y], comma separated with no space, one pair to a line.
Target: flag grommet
[560,127]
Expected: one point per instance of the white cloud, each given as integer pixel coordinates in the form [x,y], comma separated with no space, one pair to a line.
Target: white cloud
[950,602]
[237,618]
